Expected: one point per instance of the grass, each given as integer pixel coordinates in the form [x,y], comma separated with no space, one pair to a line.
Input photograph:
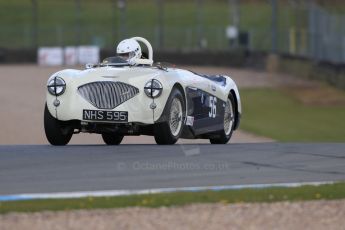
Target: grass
[303,193]
[99,25]
[279,115]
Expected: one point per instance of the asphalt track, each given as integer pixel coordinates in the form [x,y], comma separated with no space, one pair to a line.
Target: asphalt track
[48,169]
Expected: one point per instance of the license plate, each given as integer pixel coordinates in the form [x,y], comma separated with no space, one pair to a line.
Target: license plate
[100,115]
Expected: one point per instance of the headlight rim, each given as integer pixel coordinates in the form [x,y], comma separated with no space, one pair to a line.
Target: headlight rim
[149,88]
[52,86]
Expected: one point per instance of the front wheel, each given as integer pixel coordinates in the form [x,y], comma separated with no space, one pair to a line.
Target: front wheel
[57,132]
[169,131]
[223,136]
[112,139]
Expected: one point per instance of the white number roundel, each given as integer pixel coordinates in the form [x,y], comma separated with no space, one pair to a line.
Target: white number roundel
[213,107]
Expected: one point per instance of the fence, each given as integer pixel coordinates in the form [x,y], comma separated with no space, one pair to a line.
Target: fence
[326,35]
[296,27]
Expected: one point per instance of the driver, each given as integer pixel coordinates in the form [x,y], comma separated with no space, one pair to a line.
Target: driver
[129,50]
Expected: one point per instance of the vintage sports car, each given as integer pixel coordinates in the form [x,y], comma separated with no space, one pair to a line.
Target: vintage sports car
[130,95]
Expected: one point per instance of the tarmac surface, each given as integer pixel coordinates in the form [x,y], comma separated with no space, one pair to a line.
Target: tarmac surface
[48,169]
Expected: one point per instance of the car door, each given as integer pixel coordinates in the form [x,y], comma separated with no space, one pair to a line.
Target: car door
[204,107]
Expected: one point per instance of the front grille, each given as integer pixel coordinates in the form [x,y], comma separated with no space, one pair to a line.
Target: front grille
[107,94]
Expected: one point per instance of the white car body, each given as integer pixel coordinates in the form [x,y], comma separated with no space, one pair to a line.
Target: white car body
[202,96]
[72,103]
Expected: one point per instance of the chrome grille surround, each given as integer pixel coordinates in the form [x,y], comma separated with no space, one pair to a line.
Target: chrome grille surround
[107,94]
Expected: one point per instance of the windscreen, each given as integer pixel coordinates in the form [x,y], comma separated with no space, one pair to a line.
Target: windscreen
[117,60]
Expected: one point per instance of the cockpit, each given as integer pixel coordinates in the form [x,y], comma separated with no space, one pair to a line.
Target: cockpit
[121,60]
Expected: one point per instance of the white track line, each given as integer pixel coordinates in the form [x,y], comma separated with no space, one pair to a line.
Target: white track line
[111,193]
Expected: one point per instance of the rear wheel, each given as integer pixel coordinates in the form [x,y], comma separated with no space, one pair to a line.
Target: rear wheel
[223,136]
[169,131]
[57,132]
[112,138]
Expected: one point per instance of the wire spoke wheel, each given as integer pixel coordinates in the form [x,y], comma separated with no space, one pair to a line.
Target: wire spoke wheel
[175,122]
[224,135]
[169,130]
[228,117]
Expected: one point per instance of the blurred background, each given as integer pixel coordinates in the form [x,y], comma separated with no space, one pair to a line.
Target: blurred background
[305,28]
[289,53]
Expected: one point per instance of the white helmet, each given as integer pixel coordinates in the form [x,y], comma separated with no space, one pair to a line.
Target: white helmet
[129,49]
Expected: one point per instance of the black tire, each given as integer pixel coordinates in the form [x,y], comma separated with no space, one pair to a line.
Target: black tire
[162,132]
[221,137]
[57,132]
[112,138]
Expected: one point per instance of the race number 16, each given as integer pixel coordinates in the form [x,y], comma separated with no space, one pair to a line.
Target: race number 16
[213,107]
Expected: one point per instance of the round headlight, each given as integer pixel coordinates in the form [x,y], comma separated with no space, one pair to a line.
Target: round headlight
[56,86]
[153,88]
